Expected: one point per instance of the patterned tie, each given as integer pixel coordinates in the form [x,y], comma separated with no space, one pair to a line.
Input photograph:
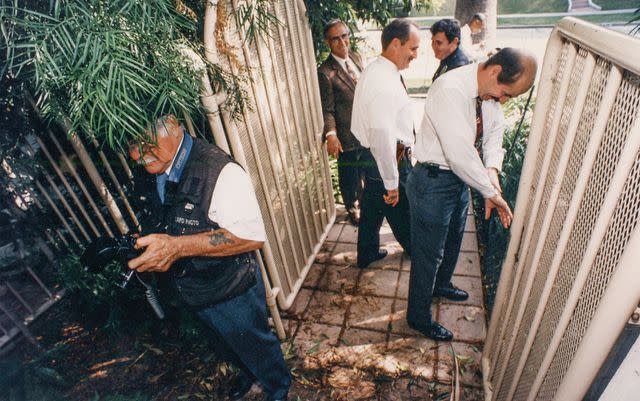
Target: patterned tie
[350,71]
[479,129]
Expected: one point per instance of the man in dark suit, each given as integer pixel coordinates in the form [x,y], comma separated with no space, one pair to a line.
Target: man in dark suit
[445,42]
[337,77]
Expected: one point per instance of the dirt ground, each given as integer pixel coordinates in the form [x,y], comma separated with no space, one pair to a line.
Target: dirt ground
[82,363]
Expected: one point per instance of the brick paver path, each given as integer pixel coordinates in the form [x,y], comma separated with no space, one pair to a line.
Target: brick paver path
[347,327]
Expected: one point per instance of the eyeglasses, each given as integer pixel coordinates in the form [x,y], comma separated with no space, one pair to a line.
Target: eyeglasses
[344,36]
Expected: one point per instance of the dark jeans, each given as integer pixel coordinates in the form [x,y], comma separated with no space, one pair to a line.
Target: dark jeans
[373,210]
[438,214]
[350,177]
[241,323]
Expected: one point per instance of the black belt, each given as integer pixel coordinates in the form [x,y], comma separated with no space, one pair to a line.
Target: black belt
[434,169]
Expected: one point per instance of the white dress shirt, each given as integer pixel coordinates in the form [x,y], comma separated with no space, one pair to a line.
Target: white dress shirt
[234,205]
[344,61]
[448,130]
[382,116]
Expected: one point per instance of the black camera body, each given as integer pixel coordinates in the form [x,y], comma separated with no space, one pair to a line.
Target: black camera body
[104,250]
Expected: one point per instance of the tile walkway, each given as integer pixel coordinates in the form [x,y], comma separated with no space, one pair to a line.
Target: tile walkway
[349,324]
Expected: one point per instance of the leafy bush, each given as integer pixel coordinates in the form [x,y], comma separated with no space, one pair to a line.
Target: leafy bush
[493,238]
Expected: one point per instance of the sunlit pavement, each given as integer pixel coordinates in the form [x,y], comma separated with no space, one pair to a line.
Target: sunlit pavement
[351,323]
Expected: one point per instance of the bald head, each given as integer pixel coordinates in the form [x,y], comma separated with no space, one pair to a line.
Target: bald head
[510,71]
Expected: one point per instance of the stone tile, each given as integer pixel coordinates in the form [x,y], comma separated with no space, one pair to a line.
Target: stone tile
[369,313]
[315,272]
[469,362]
[469,242]
[334,232]
[403,285]
[466,322]
[386,235]
[468,264]
[415,355]
[378,282]
[299,305]
[349,234]
[406,263]
[354,337]
[344,254]
[312,338]
[399,319]
[324,254]
[327,307]
[473,285]
[470,225]
[393,259]
[339,279]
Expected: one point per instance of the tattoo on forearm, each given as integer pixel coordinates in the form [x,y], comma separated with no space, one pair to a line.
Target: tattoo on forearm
[219,239]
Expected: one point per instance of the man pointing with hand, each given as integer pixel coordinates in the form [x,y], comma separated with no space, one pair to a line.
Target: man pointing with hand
[459,144]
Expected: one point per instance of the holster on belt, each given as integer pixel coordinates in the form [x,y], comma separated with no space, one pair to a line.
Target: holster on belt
[399,151]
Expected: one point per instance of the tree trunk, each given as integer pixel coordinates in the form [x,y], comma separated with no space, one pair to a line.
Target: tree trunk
[465,10]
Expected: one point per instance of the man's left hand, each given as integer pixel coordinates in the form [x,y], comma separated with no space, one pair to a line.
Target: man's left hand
[160,251]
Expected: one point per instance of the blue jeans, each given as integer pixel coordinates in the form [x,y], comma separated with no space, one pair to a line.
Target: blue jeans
[439,203]
[241,324]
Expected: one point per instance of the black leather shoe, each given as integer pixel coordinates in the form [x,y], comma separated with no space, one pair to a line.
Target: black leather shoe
[239,387]
[452,293]
[434,331]
[364,263]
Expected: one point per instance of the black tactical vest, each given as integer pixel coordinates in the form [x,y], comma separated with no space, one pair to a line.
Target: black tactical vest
[203,281]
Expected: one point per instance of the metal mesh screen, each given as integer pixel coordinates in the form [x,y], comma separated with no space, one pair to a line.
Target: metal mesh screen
[284,162]
[572,244]
[507,328]
[583,134]
[539,235]
[624,220]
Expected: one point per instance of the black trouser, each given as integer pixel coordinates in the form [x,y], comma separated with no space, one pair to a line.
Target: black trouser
[351,177]
[373,209]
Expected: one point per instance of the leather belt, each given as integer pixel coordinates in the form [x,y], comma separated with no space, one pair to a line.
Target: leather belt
[434,169]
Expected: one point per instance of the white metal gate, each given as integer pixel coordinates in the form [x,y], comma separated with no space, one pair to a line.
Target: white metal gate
[571,278]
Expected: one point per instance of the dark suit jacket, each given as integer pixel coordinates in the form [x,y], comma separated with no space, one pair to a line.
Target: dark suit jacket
[453,61]
[336,91]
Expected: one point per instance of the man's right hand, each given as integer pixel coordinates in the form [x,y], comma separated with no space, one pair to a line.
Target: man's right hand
[334,147]
[504,212]
[392,197]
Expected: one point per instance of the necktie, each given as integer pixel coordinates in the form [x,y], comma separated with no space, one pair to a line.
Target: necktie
[351,72]
[479,130]
[161,181]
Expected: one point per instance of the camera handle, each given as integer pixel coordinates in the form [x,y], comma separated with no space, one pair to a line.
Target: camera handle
[152,298]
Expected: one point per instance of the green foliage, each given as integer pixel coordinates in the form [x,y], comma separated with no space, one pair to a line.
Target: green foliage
[98,297]
[349,11]
[493,237]
[636,20]
[335,184]
[255,19]
[110,67]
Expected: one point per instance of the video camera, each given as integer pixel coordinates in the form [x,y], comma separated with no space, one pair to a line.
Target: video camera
[103,250]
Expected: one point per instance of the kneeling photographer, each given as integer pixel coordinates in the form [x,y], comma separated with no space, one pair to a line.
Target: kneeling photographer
[213,225]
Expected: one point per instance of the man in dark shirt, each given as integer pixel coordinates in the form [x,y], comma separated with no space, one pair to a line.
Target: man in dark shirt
[445,42]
